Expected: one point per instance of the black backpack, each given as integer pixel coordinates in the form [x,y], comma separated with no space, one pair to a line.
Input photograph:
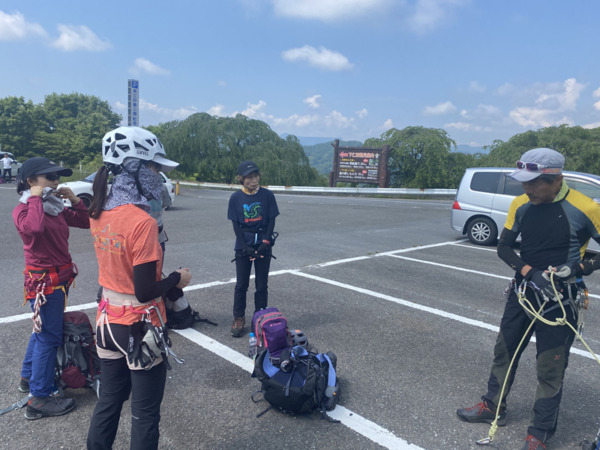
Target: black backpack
[303,382]
[77,361]
[180,314]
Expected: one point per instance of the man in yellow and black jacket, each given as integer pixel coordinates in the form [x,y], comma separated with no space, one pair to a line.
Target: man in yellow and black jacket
[555,224]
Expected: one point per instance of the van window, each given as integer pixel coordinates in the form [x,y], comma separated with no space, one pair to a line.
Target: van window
[512,186]
[590,190]
[485,181]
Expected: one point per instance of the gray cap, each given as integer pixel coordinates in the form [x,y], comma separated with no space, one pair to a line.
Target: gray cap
[536,162]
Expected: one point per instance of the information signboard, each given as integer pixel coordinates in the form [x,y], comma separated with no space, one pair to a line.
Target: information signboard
[360,165]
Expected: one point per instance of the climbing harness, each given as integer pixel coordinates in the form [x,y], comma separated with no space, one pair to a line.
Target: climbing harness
[580,303]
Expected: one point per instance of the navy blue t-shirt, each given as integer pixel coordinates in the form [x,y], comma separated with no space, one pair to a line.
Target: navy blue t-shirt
[253,213]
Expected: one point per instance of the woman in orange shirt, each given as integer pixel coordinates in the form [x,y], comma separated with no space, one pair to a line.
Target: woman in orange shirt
[130,266]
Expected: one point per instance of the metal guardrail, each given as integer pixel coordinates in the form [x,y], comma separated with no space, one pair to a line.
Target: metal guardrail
[331,190]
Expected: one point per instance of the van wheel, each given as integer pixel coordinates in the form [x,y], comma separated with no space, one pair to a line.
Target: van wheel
[482,231]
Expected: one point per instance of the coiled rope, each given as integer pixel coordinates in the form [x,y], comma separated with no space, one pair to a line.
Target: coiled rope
[537,315]
[40,300]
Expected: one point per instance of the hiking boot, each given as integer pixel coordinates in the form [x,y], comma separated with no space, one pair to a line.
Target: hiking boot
[533,443]
[481,412]
[24,385]
[237,328]
[38,407]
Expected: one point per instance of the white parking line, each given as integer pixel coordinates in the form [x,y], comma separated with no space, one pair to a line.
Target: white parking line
[437,312]
[354,421]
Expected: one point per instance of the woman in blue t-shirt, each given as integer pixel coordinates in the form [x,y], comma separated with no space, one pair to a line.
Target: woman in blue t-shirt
[252,210]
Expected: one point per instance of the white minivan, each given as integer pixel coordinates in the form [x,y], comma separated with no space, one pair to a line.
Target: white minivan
[484,196]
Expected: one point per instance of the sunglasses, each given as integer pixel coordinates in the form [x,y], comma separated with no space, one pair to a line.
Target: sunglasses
[52,176]
[535,167]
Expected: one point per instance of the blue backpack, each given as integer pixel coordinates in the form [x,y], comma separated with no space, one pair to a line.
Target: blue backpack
[303,382]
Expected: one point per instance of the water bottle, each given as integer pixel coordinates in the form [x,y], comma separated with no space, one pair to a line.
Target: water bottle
[252,346]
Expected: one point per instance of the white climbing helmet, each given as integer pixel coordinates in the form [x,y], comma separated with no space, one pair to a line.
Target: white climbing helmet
[134,142]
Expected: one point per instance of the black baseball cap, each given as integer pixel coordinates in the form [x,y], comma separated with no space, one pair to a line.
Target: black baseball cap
[40,166]
[247,167]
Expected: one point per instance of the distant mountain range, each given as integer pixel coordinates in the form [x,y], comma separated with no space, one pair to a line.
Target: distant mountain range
[464,148]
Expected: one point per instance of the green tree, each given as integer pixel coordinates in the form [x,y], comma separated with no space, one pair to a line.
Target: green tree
[19,121]
[210,149]
[418,157]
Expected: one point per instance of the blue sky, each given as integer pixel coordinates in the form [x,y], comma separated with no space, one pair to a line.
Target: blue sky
[348,69]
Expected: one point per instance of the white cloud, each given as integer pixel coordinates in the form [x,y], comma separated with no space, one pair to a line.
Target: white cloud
[550,107]
[164,113]
[591,125]
[338,120]
[362,113]
[142,65]
[428,14]
[505,89]
[295,120]
[73,38]
[388,124]
[14,27]
[170,114]
[327,10]
[440,108]
[322,58]
[597,106]
[313,102]
[474,86]
[463,126]
[216,110]
[221,83]
[254,110]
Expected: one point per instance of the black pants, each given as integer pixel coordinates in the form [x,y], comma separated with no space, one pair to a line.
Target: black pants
[117,381]
[553,344]
[7,175]
[243,267]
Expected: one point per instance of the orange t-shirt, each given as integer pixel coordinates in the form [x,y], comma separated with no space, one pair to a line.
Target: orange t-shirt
[124,237]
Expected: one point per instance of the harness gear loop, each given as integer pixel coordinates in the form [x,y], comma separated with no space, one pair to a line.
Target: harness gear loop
[536,315]
[40,300]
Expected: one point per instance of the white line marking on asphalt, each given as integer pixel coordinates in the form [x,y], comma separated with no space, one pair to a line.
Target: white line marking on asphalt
[437,312]
[476,247]
[354,421]
[487,274]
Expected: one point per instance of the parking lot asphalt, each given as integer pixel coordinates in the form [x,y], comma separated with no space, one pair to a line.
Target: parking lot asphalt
[409,307]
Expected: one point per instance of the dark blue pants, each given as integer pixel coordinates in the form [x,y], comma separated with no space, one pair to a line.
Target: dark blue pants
[40,357]
[553,344]
[147,389]
[243,267]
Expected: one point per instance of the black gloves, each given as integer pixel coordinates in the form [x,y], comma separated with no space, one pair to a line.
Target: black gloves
[588,266]
[138,352]
[541,283]
[249,252]
[264,248]
[568,270]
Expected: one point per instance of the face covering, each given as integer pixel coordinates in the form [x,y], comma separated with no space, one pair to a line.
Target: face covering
[125,189]
[53,205]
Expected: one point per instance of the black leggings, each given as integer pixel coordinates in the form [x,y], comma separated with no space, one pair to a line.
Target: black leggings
[117,382]
[243,267]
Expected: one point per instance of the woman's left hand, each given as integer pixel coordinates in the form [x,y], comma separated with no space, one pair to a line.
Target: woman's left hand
[65,192]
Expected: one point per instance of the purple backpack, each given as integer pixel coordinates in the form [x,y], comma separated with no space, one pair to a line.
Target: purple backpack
[271,330]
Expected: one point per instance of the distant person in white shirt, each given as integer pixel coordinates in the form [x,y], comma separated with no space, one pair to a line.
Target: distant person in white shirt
[6,164]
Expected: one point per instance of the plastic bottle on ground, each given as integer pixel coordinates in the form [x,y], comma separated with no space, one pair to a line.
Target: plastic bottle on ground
[252,346]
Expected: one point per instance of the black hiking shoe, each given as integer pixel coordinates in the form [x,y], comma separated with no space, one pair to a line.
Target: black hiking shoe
[481,412]
[39,407]
[237,327]
[24,385]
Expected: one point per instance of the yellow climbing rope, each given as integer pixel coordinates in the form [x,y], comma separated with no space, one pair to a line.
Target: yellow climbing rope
[537,315]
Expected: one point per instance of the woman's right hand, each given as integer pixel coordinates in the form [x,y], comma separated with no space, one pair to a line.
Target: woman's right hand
[186,277]
[37,190]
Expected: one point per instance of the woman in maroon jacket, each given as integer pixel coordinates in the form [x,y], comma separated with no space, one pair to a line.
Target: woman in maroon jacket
[43,224]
